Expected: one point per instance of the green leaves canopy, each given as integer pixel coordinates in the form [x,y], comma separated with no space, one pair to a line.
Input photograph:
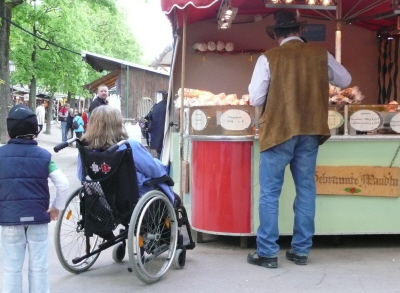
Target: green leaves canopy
[95,26]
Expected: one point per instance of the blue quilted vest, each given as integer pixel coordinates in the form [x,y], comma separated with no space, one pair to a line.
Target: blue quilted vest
[24,189]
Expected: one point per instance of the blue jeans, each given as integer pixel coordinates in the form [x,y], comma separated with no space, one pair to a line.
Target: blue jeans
[301,153]
[14,241]
[64,131]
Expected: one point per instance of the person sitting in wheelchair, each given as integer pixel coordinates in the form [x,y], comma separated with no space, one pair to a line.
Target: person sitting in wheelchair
[105,130]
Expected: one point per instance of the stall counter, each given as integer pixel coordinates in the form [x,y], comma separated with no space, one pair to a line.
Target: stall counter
[335,214]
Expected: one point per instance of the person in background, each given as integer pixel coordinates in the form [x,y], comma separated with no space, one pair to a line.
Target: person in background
[156,127]
[62,117]
[101,99]
[79,131]
[25,208]
[290,83]
[70,118]
[85,119]
[40,114]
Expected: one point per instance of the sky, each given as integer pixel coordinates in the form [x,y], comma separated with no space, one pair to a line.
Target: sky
[150,26]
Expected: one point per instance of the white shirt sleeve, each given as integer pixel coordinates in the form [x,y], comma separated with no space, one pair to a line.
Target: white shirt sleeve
[338,75]
[62,187]
[259,84]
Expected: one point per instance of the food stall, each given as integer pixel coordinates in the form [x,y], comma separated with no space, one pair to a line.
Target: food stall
[215,162]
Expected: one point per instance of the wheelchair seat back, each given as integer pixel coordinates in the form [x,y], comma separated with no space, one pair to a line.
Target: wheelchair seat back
[110,187]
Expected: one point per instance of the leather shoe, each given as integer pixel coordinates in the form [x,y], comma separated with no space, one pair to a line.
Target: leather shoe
[297,259]
[267,262]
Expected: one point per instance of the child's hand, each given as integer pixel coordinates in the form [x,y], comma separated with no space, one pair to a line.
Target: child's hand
[53,213]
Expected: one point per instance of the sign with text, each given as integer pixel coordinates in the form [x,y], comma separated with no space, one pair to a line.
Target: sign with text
[235,119]
[335,119]
[358,180]
[366,120]
[199,120]
[314,32]
[395,123]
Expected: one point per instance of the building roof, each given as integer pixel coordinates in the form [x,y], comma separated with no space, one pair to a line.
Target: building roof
[109,80]
[101,63]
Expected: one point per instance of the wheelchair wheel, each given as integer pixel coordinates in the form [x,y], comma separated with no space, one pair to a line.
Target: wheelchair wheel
[180,258]
[152,236]
[70,241]
[118,252]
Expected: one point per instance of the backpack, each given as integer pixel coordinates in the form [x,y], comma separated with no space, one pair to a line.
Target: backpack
[75,124]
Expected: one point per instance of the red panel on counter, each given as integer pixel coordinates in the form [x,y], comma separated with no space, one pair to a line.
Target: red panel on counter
[221,186]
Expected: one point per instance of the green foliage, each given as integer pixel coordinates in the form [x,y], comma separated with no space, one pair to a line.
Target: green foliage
[95,26]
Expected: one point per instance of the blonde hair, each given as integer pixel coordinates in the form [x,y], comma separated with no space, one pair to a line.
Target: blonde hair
[105,128]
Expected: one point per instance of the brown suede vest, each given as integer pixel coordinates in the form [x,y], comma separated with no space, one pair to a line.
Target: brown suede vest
[297,99]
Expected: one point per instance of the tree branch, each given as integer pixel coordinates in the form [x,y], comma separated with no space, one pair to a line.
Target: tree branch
[14,3]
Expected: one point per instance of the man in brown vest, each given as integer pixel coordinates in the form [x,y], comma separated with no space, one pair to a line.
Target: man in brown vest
[290,83]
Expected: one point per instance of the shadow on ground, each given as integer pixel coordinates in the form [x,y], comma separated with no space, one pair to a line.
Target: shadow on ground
[325,241]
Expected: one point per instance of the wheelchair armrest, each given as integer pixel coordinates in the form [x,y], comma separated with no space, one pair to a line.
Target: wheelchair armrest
[155,181]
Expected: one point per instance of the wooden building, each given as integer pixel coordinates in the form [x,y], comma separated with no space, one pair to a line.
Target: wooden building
[132,82]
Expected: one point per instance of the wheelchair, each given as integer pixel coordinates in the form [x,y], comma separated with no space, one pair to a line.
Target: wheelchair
[152,226]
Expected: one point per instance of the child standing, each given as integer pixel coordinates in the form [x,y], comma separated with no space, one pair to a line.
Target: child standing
[79,121]
[24,202]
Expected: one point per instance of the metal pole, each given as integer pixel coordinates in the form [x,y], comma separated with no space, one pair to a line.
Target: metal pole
[181,123]
[338,40]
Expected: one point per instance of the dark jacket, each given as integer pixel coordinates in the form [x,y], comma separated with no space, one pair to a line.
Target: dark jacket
[157,126]
[24,189]
[69,120]
[96,103]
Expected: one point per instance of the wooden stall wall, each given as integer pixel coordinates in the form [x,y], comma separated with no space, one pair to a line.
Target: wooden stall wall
[231,72]
[141,83]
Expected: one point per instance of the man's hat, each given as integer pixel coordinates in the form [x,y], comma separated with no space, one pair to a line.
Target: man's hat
[284,19]
[21,121]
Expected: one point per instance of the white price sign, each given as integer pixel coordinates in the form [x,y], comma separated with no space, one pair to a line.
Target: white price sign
[395,123]
[199,120]
[335,119]
[366,120]
[235,119]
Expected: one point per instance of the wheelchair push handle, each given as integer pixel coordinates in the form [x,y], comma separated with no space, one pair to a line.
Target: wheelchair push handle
[116,146]
[64,144]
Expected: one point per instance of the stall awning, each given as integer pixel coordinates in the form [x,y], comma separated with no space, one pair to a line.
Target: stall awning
[109,80]
[376,15]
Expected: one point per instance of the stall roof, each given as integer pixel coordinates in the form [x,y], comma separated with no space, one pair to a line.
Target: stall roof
[101,63]
[375,15]
[109,80]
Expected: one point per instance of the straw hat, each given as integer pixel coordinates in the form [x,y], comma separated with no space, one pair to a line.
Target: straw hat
[284,19]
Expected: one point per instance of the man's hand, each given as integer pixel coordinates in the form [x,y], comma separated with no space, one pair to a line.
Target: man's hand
[53,213]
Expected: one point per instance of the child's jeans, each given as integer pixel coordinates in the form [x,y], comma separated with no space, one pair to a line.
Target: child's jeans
[14,240]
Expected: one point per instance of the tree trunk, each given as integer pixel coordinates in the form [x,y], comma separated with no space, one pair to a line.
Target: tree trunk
[32,86]
[49,115]
[4,70]
[5,93]
[32,94]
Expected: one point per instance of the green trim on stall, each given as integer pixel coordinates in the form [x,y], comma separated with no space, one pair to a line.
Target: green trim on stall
[341,214]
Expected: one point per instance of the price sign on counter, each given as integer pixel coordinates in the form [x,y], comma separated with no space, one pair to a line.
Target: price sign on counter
[335,119]
[235,119]
[366,120]
[199,120]
[395,123]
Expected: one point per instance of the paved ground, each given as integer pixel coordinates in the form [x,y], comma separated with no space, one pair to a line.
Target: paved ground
[345,264]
